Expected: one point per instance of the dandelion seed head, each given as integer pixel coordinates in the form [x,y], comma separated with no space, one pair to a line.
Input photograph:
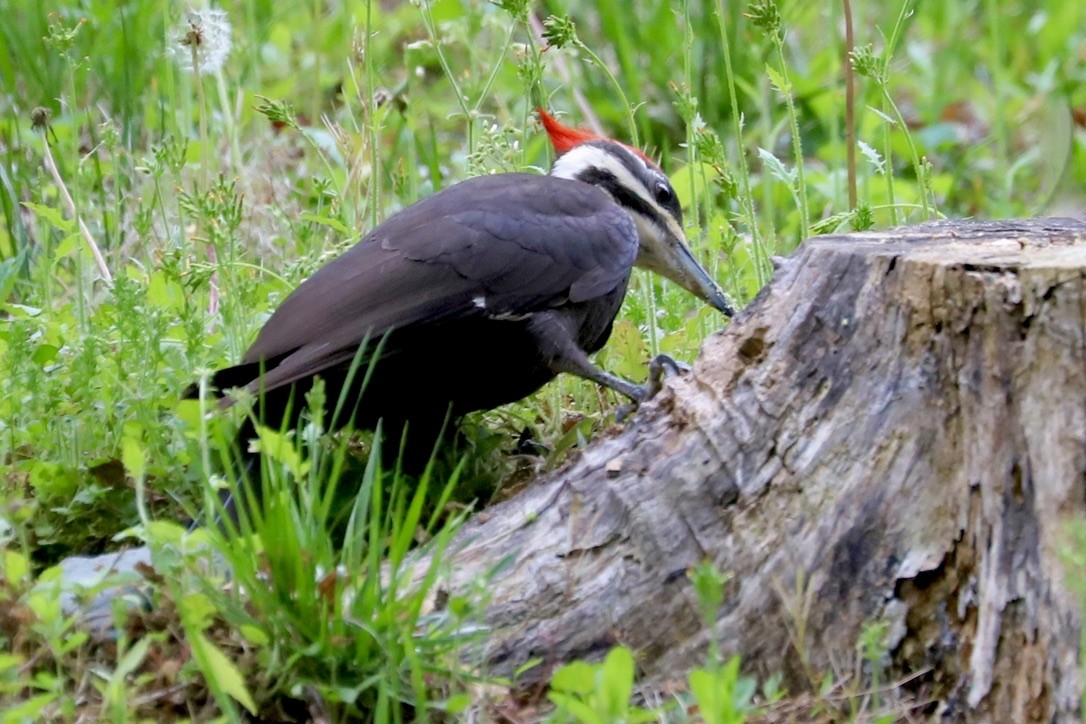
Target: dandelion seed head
[207,31]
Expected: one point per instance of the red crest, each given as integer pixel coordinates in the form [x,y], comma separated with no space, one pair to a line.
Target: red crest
[563,138]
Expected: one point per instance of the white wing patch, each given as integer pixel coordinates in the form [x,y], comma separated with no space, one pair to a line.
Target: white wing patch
[480,303]
[509,317]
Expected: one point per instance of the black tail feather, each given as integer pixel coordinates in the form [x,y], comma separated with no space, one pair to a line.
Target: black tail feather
[230,377]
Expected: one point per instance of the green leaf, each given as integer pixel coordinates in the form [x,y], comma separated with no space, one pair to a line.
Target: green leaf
[618,679]
[445,11]
[709,587]
[68,245]
[889,119]
[327,221]
[51,215]
[457,704]
[24,310]
[581,711]
[45,354]
[638,715]
[135,462]
[872,157]
[10,661]
[626,351]
[31,709]
[221,672]
[775,168]
[527,666]
[722,695]
[778,80]
[52,479]
[254,634]
[686,179]
[164,531]
[188,412]
[16,566]
[703,685]
[132,658]
[45,606]
[575,677]
[165,293]
[9,273]
[281,449]
[196,611]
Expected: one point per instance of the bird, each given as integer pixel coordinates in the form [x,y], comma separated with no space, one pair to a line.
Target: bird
[474,297]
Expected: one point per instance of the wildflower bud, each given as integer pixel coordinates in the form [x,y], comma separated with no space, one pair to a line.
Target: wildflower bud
[863,218]
[559,31]
[39,118]
[517,8]
[686,103]
[766,16]
[864,61]
[381,96]
[280,113]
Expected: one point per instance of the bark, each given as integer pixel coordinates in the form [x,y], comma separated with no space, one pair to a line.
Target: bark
[894,431]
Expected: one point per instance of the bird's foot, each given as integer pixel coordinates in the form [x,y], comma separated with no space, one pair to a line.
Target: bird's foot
[528,445]
[624,411]
[661,367]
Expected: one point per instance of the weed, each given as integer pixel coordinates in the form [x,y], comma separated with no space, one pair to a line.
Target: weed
[158,200]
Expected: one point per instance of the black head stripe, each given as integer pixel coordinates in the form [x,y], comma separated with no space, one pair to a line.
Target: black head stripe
[622,195]
[645,172]
[634,165]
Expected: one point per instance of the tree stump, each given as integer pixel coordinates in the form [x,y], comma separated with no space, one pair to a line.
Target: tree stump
[894,431]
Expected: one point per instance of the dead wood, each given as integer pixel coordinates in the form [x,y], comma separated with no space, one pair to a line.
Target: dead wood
[894,430]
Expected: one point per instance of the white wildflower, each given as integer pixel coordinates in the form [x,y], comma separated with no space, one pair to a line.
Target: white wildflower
[207,32]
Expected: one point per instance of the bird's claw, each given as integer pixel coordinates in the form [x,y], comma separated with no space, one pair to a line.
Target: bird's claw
[527,444]
[661,367]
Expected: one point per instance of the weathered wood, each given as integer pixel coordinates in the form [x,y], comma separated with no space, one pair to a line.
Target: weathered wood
[894,430]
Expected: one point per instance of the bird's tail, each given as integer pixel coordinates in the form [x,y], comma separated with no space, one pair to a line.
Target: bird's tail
[228,378]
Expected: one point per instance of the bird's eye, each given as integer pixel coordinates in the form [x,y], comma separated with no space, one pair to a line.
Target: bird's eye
[664,194]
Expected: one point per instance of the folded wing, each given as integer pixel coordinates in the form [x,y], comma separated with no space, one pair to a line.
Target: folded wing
[499,246]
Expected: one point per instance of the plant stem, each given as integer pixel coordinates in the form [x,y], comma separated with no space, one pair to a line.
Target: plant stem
[371,117]
[212,256]
[746,200]
[228,121]
[995,38]
[797,143]
[461,99]
[850,106]
[51,167]
[888,154]
[494,71]
[913,153]
[315,102]
[630,121]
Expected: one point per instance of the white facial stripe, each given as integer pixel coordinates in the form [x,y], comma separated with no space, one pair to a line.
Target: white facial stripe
[578,158]
[640,160]
[586,156]
[662,243]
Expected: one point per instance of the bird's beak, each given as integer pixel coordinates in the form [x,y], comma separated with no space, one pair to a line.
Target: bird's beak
[666,252]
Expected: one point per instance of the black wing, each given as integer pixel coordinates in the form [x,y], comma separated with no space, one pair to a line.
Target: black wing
[505,244]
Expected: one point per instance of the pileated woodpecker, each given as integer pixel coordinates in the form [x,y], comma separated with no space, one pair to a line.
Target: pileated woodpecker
[478,295]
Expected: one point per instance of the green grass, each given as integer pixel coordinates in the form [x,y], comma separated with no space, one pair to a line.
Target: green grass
[211,194]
